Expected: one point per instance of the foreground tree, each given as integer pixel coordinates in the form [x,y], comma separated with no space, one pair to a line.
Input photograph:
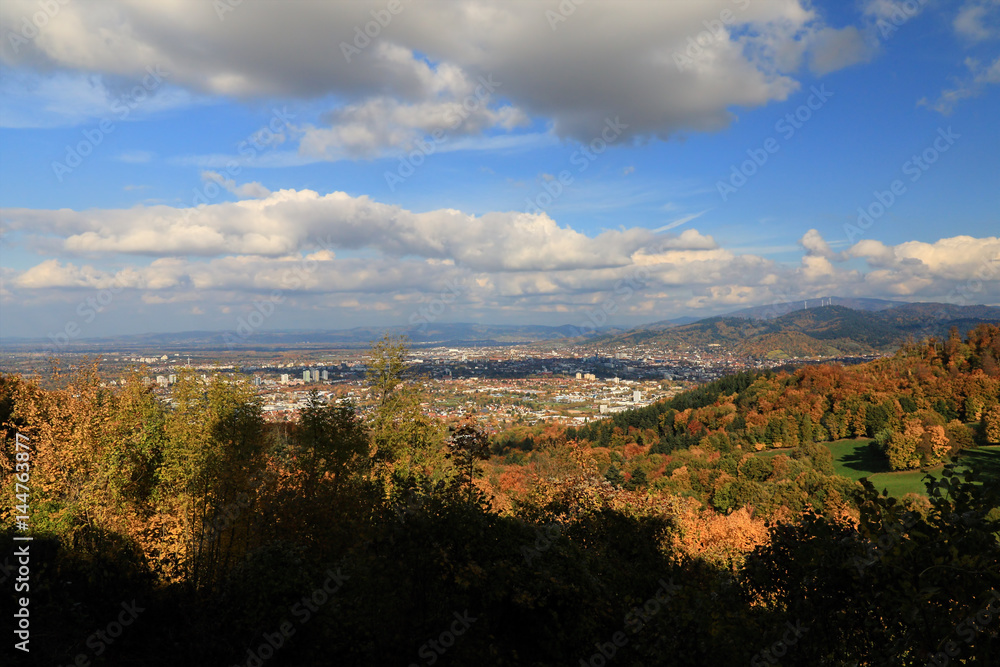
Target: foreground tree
[403,437]
[467,444]
[331,441]
[898,587]
[211,477]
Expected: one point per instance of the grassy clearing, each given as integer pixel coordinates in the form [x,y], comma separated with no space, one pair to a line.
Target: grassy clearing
[855,460]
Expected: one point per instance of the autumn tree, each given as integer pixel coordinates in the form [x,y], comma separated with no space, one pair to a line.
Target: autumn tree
[467,444]
[401,433]
[991,425]
[331,441]
[386,367]
[212,472]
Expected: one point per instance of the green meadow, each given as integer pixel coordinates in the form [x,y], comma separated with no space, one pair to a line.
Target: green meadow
[854,459]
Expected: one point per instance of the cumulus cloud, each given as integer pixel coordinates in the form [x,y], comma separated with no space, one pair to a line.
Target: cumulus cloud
[547,268]
[360,244]
[252,190]
[977,20]
[291,220]
[834,49]
[414,76]
[816,246]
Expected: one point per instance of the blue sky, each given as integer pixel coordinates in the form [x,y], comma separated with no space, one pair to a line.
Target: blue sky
[261,153]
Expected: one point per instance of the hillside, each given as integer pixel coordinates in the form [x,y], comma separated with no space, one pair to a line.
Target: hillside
[822,331]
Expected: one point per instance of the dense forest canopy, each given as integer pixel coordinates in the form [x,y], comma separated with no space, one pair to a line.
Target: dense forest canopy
[664,535]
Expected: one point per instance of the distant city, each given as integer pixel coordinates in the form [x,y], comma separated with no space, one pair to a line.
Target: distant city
[504,384]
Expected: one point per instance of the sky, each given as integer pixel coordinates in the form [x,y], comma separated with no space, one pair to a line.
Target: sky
[234,165]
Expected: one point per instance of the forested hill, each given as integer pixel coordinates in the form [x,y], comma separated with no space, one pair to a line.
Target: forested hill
[918,406]
[823,331]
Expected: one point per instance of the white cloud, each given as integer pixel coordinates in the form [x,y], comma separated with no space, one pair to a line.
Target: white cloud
[678,273]
[892,10]
[834,49]
[412,76]
[287,221]
[980,76]
[816,246]
[252,190]
[977,20]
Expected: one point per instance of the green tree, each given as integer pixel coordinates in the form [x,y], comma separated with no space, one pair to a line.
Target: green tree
[132,443]
[386,367]
[331,440]
[212,471]
[894,588]
[402,435]
[615,476]
[637,479]
[467,443]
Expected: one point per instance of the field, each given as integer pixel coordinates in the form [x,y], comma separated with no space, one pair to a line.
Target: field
[854,459]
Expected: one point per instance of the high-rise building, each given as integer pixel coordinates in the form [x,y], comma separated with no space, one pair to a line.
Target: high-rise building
[324,375]
[285,377]
[306,376]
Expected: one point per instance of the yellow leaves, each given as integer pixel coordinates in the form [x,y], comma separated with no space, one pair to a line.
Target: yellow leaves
[724,540]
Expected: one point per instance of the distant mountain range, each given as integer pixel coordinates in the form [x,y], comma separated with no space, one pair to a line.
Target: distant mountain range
[847,327]
[426,335]
[827,331]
